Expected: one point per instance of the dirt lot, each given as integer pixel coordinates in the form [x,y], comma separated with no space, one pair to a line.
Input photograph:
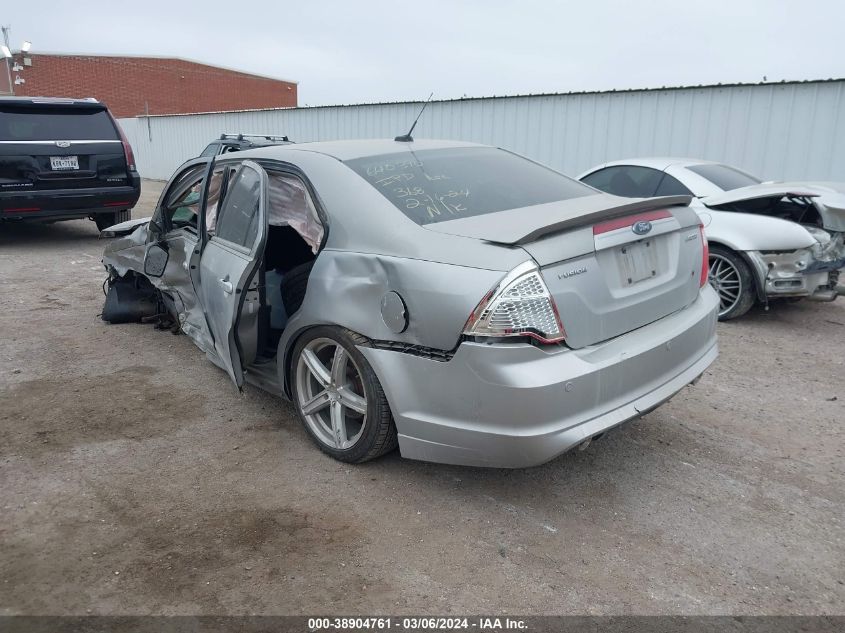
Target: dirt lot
[134,479]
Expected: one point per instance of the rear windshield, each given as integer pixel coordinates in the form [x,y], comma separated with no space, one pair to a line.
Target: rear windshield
[436,185]
[724,177]
[33,123]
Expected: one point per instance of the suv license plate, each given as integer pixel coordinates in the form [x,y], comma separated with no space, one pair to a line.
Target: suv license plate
[64,162]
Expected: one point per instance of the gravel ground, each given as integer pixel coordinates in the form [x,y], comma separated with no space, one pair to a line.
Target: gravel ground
[134,479]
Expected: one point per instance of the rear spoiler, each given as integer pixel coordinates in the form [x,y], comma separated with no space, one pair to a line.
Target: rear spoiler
[50,102]
[521,226]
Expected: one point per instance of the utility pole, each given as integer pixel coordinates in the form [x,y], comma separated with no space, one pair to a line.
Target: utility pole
[6,30]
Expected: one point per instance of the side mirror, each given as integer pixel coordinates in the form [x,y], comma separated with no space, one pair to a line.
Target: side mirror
[155,260]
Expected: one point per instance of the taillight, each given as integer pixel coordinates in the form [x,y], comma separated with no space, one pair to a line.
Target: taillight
[127,151]
[519,305]
[127,148]
[705,257]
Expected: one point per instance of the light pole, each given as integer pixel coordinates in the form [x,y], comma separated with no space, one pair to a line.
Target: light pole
[7,55]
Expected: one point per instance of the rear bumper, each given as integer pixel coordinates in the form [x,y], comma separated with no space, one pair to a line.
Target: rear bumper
[68,203]
[515,406]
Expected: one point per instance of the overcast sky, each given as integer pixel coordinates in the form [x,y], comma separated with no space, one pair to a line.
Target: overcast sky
[365,51]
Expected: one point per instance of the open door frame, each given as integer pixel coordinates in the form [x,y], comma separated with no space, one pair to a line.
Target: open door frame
[226,269]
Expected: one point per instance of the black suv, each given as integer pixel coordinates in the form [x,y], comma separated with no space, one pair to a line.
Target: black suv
[237,142]
[63,159]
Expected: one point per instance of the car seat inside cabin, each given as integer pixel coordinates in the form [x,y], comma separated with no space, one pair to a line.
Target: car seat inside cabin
[294,236]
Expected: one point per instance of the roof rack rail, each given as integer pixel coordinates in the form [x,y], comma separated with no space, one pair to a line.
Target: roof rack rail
[240,137]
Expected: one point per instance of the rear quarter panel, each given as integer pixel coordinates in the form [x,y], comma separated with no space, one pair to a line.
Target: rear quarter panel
[346,289]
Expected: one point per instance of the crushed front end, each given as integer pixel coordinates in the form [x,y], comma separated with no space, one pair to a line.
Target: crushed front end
[807,272]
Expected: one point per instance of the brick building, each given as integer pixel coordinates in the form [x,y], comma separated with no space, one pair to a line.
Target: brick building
[165,85]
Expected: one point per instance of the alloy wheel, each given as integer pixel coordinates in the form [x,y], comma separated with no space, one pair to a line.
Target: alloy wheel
[726,281]
[330,393]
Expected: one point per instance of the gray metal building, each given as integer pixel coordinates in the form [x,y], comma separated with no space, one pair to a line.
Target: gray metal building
[786,130]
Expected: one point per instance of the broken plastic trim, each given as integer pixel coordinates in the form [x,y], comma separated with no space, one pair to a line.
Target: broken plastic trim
[416,350]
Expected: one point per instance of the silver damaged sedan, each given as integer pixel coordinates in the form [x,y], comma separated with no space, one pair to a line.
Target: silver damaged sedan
[458,301]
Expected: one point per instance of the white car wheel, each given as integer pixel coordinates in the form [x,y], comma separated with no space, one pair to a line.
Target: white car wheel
[731,278]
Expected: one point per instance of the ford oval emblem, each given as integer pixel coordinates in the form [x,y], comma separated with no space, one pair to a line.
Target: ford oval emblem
[62,143]
[642,227]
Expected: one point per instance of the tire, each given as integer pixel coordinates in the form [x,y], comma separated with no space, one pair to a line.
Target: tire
[733,281]
[340,430]
[105,220]
[294,285]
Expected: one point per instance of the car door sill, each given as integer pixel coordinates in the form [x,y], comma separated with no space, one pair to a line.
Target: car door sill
[265,377]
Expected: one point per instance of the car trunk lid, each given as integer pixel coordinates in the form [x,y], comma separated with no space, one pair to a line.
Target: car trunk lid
[528,224]
[639,269]
[615,267]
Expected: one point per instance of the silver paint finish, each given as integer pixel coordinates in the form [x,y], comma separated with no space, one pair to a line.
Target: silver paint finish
[521,226]
[227,272]
[346,289]
[504,404]
[515,406]
[330,393]
[124,228]
[393,312]
[600,302]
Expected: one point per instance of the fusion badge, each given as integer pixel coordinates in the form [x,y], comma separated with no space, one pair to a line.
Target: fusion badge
[572,273]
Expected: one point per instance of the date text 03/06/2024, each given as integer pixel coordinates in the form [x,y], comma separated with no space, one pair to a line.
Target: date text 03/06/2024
[425,623]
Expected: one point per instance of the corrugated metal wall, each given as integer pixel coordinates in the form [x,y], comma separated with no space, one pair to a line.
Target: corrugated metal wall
[777,131]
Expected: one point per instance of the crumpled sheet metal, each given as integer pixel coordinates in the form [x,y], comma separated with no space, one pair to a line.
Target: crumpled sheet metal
[830,247]
[346,289]
[127,253]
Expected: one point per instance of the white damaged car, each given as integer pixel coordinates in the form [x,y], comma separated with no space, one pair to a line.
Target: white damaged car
[767,239]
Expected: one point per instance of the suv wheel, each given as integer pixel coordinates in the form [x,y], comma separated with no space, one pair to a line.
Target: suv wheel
[105,220]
